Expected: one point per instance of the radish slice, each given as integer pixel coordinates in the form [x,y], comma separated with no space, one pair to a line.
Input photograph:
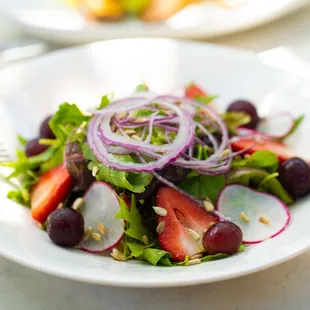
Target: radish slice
[235,201]
[277,125]
[99,209]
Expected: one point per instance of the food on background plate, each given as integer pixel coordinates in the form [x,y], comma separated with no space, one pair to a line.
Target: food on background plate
[160,178]
[147,10]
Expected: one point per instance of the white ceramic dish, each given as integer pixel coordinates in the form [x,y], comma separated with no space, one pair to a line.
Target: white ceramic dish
[54,20]
[29,92]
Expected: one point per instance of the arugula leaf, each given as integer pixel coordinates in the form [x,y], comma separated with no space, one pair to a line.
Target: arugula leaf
[131,215]
[66,119]
[105,101]
[159,136]
[155,256]
[297,124]
[209,258]
[206,99]
[203,186]
[24,163]
[201,152]
[262,160]
[136,248]
[56,160]
[233,120]
[22,140]
[260,180]
[142,87]
[133,181]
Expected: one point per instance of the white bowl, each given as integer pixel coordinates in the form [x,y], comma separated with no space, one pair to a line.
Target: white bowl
[82,75]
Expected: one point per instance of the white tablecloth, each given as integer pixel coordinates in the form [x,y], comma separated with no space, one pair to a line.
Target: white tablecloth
[285,287]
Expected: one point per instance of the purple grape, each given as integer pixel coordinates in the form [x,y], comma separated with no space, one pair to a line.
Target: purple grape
[246,107]
[294,175]
[65,227]
[33,147]
[222,237]
[45,130]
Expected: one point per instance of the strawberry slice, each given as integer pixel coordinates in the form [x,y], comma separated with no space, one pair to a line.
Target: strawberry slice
[53,188]
[282,152]
[193,91]
[184,224]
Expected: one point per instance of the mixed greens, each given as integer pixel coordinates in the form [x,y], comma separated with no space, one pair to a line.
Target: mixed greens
[148,177]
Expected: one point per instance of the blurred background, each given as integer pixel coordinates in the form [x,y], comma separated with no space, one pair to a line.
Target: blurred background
[31,27]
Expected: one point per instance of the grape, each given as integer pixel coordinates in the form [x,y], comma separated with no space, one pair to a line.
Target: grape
[65,227]
[246,107]
[45,130]
[222,237]
[33,147]
[294,175]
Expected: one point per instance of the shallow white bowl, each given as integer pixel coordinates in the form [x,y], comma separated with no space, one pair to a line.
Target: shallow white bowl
[56,21]
[29,92]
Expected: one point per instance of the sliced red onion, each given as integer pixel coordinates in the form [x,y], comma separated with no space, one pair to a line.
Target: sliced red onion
[101,123]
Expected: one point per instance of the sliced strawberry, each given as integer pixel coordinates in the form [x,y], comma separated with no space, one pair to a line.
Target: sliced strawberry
[193,91]
[53,188]
[183,214]
[282,152]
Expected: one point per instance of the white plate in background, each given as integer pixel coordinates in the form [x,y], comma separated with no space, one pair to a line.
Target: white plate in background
[52,19]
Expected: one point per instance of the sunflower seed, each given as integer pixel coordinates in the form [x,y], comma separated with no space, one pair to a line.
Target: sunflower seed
[60,205]
[88,233]
[196,256]
[160,211]
[96,236]
[225,153]
[113,127]
[141,120]
[130,132]
[145,240]
[40,225]
[264,220]
[160,227]
[208,205]
[119,257]
[194,234]
[77,203]
[95,171]
[121,116]
[244,217]
[102,228]
[193,262]
[136,137]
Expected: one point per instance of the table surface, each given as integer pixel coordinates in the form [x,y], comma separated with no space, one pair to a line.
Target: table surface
[283,287]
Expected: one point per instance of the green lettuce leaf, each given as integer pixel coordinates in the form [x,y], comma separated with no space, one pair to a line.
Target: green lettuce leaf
[233,120]
[262,160]
[134,227]
[157,256]
[260,180]
[209,258]
[133,181]
[105,101]
[141,87]
[299,120]
[66,119]
[203,186]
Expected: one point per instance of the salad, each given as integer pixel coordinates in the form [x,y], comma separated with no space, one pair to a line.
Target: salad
[147,10]
[160,178]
